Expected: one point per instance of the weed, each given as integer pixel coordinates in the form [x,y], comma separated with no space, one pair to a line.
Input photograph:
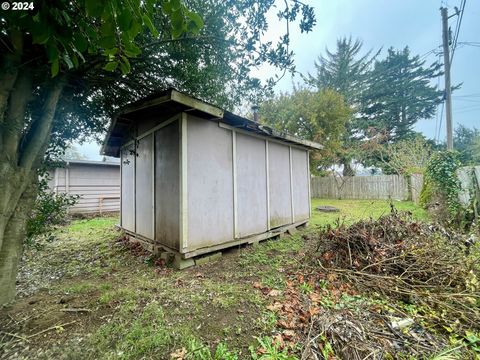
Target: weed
[270,350]
[198,351]
[306,288]
[124,338]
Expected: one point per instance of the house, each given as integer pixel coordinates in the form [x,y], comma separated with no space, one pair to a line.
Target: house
[196,179]
[97,183]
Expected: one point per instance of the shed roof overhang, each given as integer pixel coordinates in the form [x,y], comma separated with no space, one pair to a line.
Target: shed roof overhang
[172,102]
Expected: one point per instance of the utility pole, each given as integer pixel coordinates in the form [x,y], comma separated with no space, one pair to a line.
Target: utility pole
[448,87]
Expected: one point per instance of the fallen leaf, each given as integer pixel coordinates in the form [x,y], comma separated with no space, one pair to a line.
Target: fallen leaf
[276,306]
[179,354]
[274,293]
[313,310]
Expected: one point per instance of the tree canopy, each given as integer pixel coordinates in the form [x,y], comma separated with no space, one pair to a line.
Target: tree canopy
[399,94]
[467,143]
[314,115]
[346,71]
[66,66]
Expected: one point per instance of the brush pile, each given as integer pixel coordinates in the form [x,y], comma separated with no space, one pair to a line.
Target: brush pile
[410,261]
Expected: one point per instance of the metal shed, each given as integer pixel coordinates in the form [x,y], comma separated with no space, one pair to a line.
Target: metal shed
[96,182]
[196,178]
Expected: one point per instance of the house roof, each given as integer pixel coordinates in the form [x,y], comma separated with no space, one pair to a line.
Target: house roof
[92,162]
[171,102]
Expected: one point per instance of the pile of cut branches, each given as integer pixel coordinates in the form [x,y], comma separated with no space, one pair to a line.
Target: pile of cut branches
[411,261]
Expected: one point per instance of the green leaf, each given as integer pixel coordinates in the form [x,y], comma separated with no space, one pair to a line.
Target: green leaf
[52,52]
[124,20]
[167,7]
[196,19]
[148,22]
[92,34]
[41,36]
[111,66]
[107,42]
[75,60]
[177,23]
[132,50]
[68,61]
[135,29]
[125,65]
[176,4]
[94,8]
[111,52]
[80,42]
[55,68]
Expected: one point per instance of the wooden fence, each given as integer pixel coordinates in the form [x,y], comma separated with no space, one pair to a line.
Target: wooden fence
[368,187]
[469,177]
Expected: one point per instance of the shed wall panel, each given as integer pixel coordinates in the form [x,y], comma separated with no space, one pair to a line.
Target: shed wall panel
[251,185]
[279,181]
[128,187]
[93,175]
[144,187]
[167,191]
[210,184]
[301,200]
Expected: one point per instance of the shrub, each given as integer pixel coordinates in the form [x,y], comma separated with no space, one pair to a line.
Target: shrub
[442,188]
[49,210]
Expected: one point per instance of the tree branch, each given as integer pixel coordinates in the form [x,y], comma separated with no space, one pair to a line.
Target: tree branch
[15,120]
[39,134]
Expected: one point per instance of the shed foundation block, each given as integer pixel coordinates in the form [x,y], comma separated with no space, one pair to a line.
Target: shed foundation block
[208,259]
[179,263]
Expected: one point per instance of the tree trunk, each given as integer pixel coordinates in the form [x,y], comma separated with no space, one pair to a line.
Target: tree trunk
[22,151]
[12,236]
[347,168]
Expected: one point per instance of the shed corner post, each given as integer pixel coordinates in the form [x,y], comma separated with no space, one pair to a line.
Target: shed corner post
[183,148]
[267,175]
[121,185]
[234,175]
[309,178]
[154,215]
[292,205]
[67,182]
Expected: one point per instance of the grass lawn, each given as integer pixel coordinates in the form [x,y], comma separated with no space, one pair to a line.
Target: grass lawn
[354,210]
[86,296]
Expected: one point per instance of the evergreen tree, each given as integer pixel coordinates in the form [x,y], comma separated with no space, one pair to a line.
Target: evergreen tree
[466,141]
[399,94]
[347,72]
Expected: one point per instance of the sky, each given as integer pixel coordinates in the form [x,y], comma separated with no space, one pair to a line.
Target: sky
[383,24]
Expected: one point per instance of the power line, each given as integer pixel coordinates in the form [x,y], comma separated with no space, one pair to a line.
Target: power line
[457,28]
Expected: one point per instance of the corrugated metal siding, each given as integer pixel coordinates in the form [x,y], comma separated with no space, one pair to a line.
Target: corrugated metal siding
[97,185]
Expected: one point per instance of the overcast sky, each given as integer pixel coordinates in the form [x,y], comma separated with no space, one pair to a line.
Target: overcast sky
[386,23]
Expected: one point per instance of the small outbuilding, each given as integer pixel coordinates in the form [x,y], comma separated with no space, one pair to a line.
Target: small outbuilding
[96,183]
[196,178]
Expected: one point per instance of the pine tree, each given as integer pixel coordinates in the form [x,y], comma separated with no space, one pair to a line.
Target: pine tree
[346,72]
[399,94]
